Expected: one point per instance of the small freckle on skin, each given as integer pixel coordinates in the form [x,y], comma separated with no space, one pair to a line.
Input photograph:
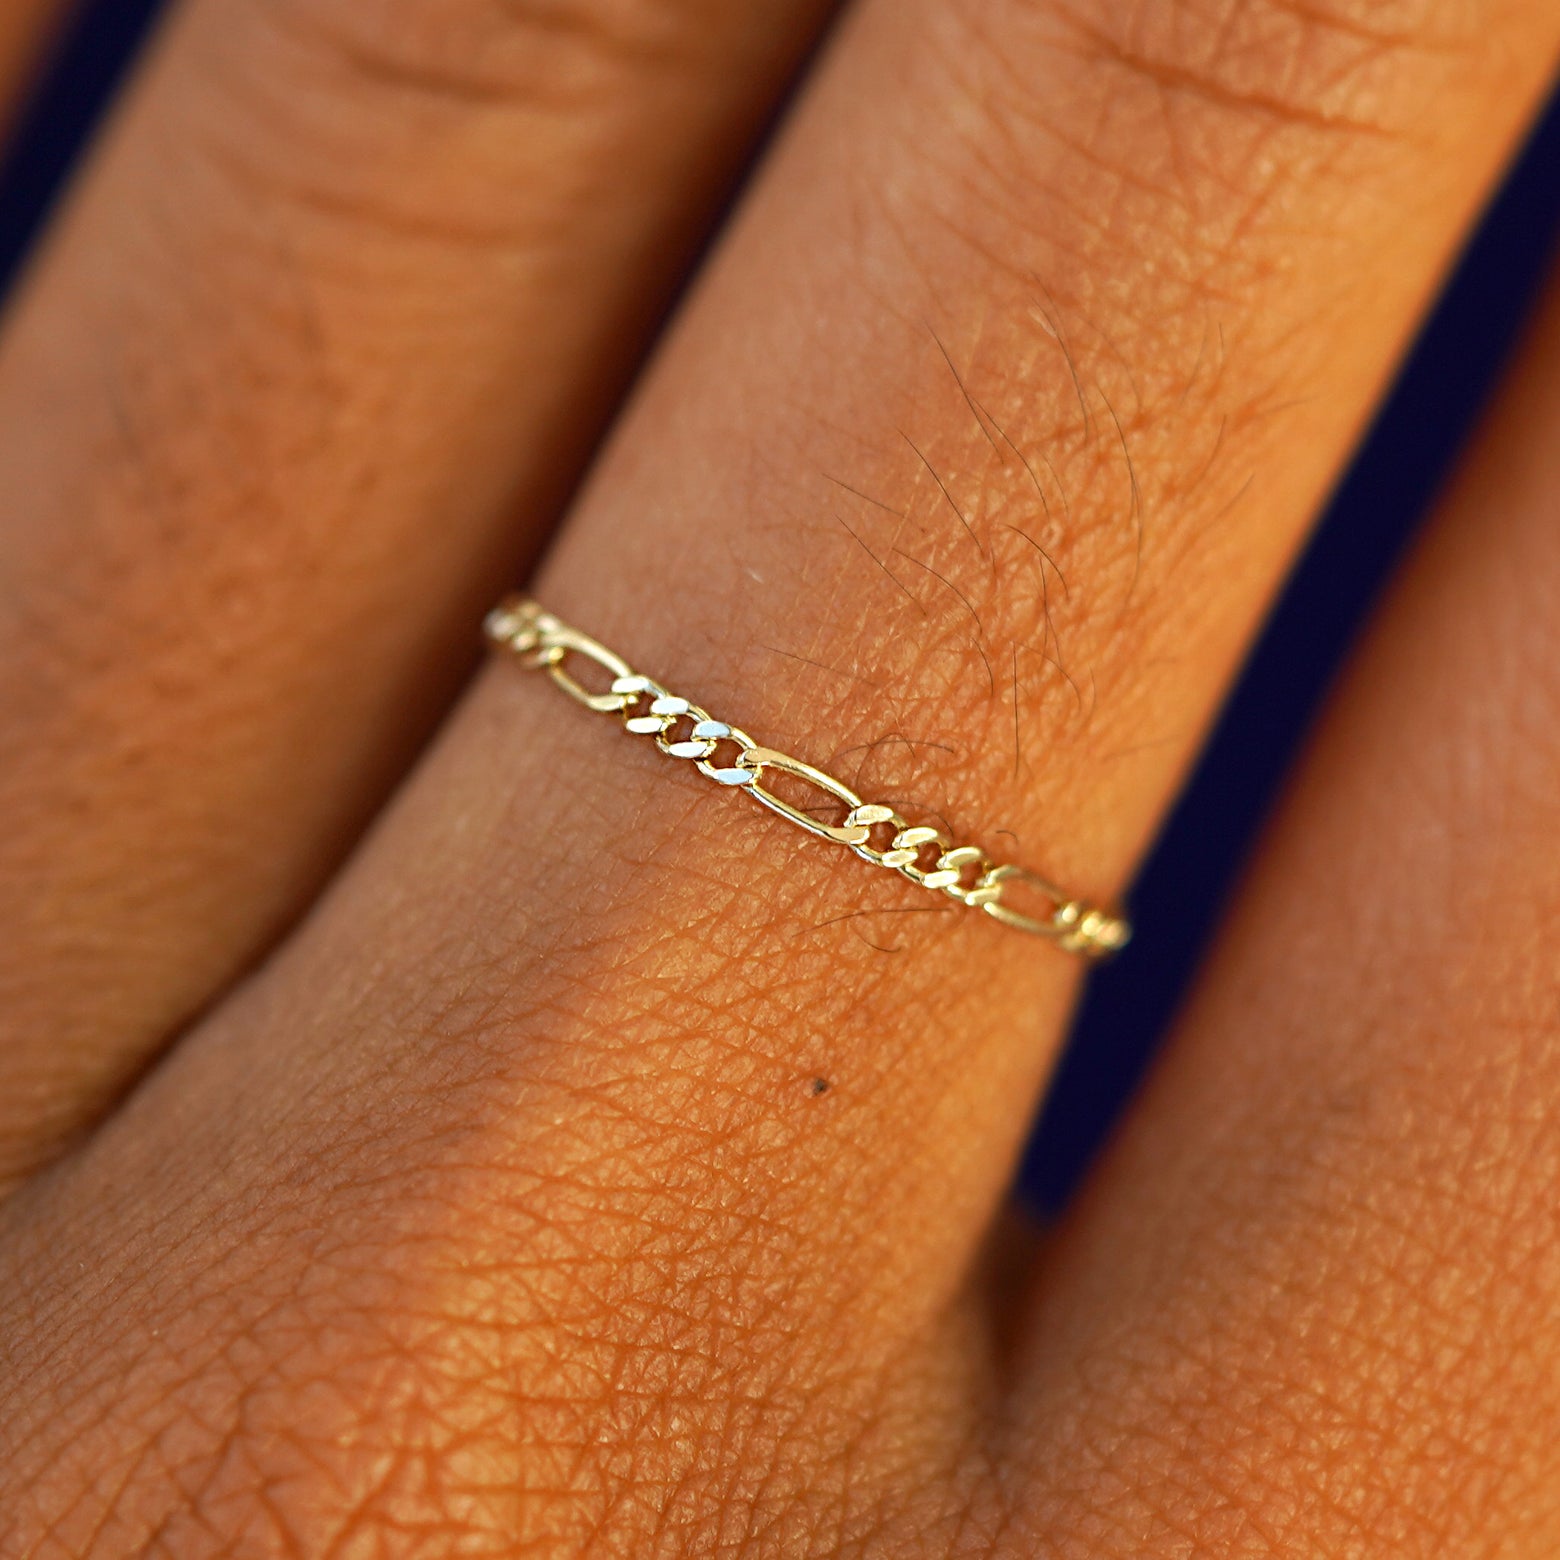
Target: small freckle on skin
[819,1086]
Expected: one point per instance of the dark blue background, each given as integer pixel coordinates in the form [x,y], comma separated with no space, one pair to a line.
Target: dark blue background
[1386,492]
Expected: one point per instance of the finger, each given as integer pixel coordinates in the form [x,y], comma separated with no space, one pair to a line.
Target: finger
[25,29]
[306,369]
[1324,1253]
[742,579]
[521,1139]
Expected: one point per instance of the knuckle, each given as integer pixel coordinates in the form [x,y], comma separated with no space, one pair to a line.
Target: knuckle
[1282,62]
[1130,123]
[560,54]
[405,119]
[421,124]
[1271,64]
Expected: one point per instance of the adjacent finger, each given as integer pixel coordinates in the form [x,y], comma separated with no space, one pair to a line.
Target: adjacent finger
[1314,1293]
[26,27]
[303,374]
[506,1198]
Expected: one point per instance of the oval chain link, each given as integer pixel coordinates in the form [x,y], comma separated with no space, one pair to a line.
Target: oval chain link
[682,729]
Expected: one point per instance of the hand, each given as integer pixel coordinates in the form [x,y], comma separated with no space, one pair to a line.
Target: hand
[504,1142]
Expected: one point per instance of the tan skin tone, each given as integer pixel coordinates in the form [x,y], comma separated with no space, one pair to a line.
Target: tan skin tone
[26,29]
[481,1198]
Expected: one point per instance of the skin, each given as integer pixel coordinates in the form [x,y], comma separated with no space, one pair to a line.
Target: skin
[468,1187]
[26,28]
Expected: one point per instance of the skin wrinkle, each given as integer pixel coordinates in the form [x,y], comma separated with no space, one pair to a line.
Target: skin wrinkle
[379,216]
[1213,69]
[1016,100]
[548,54]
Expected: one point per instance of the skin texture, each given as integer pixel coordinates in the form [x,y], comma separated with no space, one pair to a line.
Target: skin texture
[498,1210]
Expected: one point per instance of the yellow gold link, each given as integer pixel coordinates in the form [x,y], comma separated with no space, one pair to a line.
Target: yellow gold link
[963,872]
[760,759]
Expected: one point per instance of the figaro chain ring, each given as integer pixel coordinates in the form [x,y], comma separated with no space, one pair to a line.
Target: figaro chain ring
[730,757]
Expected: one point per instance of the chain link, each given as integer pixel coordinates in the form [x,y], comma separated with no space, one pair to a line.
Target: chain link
[729,756]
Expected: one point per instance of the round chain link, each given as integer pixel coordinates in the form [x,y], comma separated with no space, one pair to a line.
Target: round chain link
[682,729]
